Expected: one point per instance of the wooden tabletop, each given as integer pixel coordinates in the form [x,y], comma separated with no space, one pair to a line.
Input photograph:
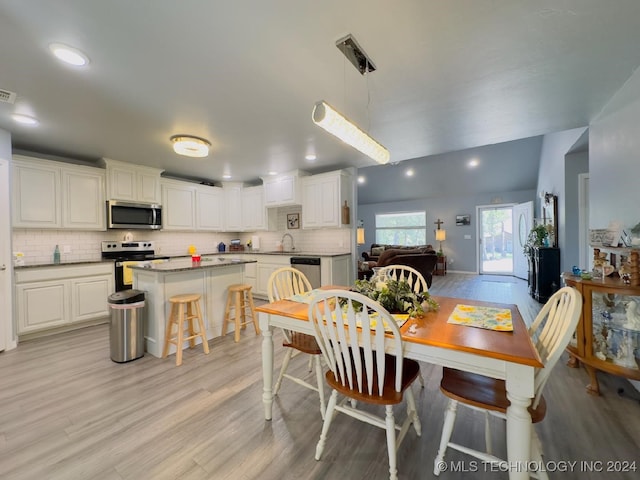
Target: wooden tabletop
[432,329]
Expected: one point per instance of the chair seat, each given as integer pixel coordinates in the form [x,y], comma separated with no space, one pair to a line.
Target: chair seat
[482,392]
[303,342]
[410,371]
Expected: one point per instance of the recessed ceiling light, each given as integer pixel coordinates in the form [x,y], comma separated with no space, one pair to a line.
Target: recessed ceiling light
[474,163]
[409,172]
[25,119]
[311,157]
[190,146]
[226,177]
[272,173]
[362,179]
[69,55]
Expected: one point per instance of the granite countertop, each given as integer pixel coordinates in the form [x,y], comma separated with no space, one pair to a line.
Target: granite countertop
[61,264]
[289,253]
[184,264]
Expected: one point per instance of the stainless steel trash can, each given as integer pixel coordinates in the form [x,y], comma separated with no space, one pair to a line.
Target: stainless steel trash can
[126,333]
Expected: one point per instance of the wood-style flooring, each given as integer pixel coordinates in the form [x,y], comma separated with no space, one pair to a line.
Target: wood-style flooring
[68,412]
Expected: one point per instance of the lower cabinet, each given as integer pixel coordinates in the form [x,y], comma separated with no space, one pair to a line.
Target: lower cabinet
[61,296]
[264,269]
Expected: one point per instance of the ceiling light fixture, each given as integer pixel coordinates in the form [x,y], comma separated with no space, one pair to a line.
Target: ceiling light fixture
[362,179]
[190,146]
[336,124]
[25,119]
[310,157]
[69,55]
[409,172]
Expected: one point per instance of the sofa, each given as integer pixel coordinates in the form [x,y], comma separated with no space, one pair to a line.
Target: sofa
[423,258]
[376,250]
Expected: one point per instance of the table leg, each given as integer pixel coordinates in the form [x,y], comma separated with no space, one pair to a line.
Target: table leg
[267,364]
[518,437]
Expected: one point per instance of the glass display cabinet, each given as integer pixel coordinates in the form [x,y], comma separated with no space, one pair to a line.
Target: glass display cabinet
[608,335]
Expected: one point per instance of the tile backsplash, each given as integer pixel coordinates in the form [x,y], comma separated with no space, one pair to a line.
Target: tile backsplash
[38,245]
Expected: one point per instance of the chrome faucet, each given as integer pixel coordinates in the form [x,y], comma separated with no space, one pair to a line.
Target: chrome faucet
[292,245]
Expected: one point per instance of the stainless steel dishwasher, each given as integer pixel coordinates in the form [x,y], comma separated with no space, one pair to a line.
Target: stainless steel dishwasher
[310,266]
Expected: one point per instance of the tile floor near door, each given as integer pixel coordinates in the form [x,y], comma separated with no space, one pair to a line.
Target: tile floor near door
[68,412]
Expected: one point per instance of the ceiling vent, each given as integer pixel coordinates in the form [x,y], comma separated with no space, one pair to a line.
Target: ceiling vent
[7,97]
[354,53]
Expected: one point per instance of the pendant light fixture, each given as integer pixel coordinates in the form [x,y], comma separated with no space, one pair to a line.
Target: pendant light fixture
[190,146]
[327,117]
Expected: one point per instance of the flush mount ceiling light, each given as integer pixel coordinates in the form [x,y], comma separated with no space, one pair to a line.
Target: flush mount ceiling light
[190,146]
[25,119]
[69,55]
[336,124]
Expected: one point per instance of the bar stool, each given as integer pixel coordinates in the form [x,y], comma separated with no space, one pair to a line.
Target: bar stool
[188,302]
[239,298]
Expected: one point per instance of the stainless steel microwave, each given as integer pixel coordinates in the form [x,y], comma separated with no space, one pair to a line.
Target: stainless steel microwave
[129,215]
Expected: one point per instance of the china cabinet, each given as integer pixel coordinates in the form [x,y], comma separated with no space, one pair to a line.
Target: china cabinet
[608,335]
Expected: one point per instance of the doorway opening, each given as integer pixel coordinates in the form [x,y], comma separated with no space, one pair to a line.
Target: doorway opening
[496,239]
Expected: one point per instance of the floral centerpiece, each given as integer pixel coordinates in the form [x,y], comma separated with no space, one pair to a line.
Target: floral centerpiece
[396,296]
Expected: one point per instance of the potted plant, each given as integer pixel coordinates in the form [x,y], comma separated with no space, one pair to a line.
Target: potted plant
[396,296]
[536,238]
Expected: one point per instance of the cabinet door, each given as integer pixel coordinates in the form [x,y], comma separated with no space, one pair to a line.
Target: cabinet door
[321,202]
[42,305]
[233,208]
[253,210]
[280,191]
[263,272]
[148,187]
[122,183]
[89,297]
[209,209]
[83,205]
[36,196]
[178,207]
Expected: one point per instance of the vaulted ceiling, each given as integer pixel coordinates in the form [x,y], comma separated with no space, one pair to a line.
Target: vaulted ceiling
[245,74]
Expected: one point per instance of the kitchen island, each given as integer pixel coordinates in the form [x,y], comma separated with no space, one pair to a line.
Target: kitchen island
[210,278]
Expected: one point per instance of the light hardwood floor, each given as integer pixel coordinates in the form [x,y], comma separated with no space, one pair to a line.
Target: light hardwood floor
[68,412]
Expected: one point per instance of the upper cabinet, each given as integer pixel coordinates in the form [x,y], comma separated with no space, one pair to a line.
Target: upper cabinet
[209,202]
[134,183]
[324,196]
[283,190]
[188,206]
[48,194]
[232,206]
[253,209]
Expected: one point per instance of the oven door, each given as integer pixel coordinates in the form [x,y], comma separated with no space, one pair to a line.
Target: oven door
[124,274]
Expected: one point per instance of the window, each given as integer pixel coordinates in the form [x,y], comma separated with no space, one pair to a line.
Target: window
[407,228]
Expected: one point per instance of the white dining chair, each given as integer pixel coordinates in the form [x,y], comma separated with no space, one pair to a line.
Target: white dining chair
[285,283]
[364,352]
[408,274]
[551,332]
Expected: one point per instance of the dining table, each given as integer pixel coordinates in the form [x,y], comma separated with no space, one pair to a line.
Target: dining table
[506,355]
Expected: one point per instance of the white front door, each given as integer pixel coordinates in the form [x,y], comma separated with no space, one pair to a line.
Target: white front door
[522,223]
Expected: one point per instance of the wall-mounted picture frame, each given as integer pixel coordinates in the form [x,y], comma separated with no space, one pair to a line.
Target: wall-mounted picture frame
[293,221]
[463,220]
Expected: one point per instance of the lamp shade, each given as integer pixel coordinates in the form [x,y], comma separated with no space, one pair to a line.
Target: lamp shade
[333,122]
[360,236]
[441,235]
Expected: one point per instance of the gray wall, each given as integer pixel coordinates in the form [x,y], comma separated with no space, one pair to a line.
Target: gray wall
[461,253]
[614,159]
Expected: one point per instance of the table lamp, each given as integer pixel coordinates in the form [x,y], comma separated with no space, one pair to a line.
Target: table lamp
[441,235]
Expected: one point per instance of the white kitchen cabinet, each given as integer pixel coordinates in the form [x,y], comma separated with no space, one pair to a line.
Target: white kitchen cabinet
[250,273]
[253,209]
[42,305]
[178,205]
[36,201]
[88,297]
[283,190]
[83,201]
[337,270]
[232,207]
[134,183]
[63,295]
[209,208]
[48,194]
[323,198]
